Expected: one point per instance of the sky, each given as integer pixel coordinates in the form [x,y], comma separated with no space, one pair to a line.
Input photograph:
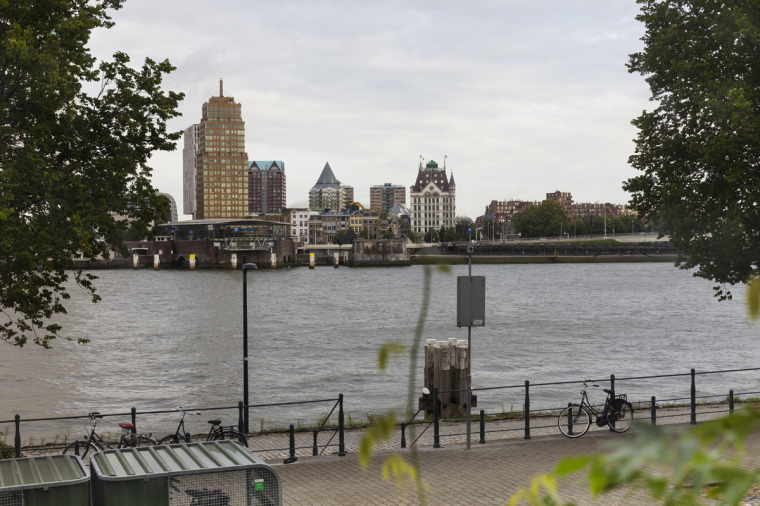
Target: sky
[523,98]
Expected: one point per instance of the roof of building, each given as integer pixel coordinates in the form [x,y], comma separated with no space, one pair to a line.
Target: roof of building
[400,210]
[451,181]
[327,179]
[266,165]
[435,177]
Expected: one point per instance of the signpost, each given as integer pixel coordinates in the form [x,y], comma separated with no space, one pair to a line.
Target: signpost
[471,312]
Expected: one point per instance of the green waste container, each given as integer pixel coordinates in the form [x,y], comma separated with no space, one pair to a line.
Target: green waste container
[209,473]
[59,480]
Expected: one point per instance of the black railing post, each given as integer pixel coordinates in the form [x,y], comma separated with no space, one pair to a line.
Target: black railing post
[570,419]
[693,398]
[17,439]
[612,395]
[292,457]
[654,411]
[134,420]
[527,410]
[341,431]
[436,435]
[314,450]
[730,401]
[482,427]
[241,418]
[403,435]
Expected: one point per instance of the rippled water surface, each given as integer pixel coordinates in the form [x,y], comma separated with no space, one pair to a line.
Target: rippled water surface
[169,338]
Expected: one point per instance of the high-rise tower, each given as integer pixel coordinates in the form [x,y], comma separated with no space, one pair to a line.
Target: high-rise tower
[189,170]
[222,163]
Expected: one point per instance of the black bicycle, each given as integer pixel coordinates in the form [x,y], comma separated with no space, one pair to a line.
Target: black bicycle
[575,420]
[216,433]
[95,443]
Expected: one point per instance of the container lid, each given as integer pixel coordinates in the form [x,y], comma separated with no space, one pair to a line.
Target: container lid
[155,461]
[41,472]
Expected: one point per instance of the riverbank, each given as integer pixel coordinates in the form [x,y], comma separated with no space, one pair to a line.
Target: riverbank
[458,260]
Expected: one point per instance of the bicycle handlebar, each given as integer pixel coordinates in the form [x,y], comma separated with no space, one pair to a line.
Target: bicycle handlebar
[179,408]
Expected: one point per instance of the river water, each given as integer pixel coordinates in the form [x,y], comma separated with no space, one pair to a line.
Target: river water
[173,338]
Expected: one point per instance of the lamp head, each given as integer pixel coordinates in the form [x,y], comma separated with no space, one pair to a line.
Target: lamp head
[247,267]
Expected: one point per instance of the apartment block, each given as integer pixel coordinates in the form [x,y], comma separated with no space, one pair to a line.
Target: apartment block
[384,197]
[266,186]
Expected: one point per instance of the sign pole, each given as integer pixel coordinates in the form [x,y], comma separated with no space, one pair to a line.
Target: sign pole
[469,362]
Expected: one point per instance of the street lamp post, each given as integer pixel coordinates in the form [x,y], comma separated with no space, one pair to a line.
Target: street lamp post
[246,268]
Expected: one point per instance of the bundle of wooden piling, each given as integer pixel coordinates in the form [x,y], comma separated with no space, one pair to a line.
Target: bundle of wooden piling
[446,368]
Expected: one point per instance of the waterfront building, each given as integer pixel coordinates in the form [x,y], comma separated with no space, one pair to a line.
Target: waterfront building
[173,212]
[432,199]
[315,229]
[384,197]
[332,223]
[221,162]
[266,186]
[329,193]
[579,210]
[190,151]
[299,221]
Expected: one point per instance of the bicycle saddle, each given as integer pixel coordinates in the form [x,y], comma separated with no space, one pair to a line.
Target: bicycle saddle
[126,425]
[215,422]
[607,391]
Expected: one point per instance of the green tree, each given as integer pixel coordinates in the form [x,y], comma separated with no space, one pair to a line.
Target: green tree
[389,234]
[451,235]
[545,219]
[338,235]
[698,149]
[69,161]
[412,236]
[364,234]
[431,235]
[442,232]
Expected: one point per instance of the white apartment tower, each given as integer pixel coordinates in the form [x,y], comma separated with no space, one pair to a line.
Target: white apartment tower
[432,199]
[189,152]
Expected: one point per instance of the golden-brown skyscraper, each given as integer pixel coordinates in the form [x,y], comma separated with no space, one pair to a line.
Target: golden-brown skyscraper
[222,163]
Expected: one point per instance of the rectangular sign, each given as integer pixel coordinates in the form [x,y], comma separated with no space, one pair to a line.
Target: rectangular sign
[471,301]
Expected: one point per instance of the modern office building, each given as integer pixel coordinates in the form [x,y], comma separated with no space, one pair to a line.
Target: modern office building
[382,197]
[189,171]
[221,163]
[329,193]
[432,199]
[266,186]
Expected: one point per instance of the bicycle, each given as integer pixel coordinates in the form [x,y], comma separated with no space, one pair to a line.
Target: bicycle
[216,433]
[96,443]
[575,420]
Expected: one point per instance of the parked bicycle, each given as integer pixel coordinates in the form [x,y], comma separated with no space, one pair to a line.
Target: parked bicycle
[216,433]
[94,442]
[575,420]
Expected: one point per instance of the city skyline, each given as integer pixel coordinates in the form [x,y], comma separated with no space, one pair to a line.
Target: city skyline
[516,95]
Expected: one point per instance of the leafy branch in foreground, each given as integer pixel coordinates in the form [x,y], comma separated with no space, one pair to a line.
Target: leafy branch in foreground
[672,470]
[70,162]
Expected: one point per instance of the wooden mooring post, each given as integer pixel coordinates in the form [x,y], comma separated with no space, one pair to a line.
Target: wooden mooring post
[446,368]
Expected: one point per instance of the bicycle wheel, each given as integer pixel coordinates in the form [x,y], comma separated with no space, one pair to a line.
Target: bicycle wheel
[574,421]
[231,433]
[80,448]
[171,439]
[620,417]
[140,440]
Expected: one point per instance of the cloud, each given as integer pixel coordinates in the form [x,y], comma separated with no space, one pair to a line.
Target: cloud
[524,97]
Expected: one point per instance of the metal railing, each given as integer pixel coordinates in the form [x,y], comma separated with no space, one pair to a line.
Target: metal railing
[526,411]
[291,448]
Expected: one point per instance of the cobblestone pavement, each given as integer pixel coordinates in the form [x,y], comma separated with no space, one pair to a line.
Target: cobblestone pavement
[487,475]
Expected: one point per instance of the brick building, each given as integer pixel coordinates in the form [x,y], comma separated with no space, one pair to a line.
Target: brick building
[221,166]
[382,197]
[266,186]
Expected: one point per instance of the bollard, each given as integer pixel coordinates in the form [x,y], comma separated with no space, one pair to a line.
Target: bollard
[403,435]
[135,261]
[341,435]
[312,261]
[730,401]
[233,260]
[241,421]
[273,260]
[337,260]
[192,262]
[527,410]
[314,450]
[436,434]
[292,457]
[156,262]
[654,411]
[570,418]
[17,439]
[134,420]
[482,427]
[693,399]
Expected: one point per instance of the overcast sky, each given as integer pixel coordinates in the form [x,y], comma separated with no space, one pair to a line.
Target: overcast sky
[523,97]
